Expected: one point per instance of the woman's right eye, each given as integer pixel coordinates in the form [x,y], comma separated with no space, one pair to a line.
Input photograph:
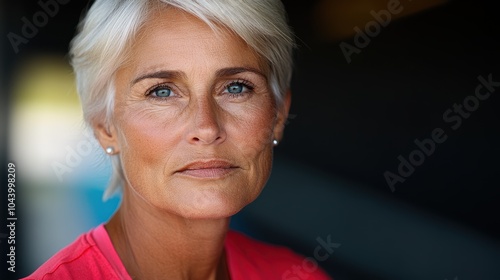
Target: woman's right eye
[160,92]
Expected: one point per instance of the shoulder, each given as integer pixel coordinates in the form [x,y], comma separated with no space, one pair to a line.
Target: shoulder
[82,258]
[259,260]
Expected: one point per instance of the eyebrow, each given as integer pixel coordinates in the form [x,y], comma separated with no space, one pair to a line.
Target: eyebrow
[160,75]
[224,72]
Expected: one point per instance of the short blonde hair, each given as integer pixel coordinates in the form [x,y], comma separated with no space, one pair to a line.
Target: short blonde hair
[100,47]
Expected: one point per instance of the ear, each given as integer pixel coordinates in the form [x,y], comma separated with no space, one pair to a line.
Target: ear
[106,135]
[282,116]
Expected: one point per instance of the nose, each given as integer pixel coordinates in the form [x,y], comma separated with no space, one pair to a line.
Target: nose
[206,123]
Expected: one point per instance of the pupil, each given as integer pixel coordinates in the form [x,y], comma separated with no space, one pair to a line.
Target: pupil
[235,89]
[163,92]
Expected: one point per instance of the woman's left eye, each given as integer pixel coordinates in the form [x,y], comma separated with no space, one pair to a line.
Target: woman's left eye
[235,88]
[238,88]
[162,92]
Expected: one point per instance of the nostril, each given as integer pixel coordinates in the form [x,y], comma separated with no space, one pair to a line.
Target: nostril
[206,140]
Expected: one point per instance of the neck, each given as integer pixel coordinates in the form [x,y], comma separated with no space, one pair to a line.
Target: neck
[155,244]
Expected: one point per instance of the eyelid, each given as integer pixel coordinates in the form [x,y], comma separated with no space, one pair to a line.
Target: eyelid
[165,85]
[157,86]
[244,82]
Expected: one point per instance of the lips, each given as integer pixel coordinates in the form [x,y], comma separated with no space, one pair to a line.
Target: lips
[208,169]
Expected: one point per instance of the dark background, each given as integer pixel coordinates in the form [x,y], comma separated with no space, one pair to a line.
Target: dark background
[349,123]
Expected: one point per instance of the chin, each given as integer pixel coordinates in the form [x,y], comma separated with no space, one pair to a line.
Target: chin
[211,205]
[208,200]
[217,211]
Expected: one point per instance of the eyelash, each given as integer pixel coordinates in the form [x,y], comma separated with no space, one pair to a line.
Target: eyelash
[250,89]
[158,86]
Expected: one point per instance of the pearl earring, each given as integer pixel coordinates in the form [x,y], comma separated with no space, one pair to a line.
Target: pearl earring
[275,142]
[110,150]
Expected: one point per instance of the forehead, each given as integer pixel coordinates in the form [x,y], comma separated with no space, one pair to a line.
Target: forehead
[177,40]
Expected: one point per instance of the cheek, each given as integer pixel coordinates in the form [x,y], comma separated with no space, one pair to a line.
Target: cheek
[254,129]
[147,140]
[252,135]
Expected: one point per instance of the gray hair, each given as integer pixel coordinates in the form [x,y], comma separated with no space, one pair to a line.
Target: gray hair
[101,47]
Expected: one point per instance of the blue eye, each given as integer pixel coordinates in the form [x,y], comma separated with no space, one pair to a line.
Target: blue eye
[239,88]
[235,88]
[161,92]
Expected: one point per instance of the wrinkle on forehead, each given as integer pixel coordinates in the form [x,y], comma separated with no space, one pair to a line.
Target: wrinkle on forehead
[183,26]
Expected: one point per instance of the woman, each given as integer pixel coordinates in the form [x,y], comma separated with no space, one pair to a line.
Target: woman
[188,98]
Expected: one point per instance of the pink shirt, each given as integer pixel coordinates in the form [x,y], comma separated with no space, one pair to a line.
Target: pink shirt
[92,256]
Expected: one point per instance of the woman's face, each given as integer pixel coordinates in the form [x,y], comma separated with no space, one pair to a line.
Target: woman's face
[194,119]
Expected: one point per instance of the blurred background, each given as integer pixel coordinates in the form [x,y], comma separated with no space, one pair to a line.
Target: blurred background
[372,79]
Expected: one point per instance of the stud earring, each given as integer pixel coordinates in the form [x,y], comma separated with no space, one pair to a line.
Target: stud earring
[275,142]
[110,150]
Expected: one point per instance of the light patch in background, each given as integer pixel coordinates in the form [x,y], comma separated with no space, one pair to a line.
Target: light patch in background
[62,170]
[336,19]
[46,118]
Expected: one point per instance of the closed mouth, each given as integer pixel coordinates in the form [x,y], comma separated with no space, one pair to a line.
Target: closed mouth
[207,169]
